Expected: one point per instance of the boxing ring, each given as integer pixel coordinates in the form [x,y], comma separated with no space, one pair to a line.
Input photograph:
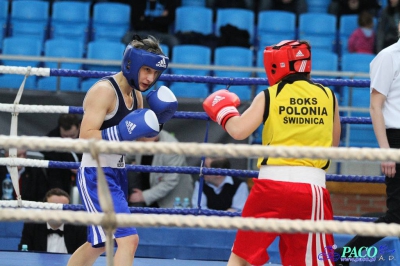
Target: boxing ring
[19,210]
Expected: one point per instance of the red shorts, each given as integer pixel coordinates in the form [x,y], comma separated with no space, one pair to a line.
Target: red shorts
[285,200]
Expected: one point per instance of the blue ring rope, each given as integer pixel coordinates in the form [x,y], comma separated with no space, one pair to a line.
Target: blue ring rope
[207,79]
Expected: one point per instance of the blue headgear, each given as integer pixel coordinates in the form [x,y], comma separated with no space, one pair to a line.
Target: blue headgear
[135,58]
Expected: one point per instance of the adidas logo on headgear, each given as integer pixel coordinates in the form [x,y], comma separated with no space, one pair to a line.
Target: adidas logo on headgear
[130,126]
[162,63]
[299,53]
[217,99]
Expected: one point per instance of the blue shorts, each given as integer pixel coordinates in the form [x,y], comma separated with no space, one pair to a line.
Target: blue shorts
[118,184]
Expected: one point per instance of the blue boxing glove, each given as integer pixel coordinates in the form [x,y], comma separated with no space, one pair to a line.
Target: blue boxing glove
[137,124]
[163,102]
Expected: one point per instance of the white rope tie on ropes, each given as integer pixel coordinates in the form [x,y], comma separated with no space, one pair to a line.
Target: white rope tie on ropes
[198,149]
[212,222]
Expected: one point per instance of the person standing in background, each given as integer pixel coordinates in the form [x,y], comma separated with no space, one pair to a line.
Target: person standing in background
[153,17]
[68,126]
[387,32]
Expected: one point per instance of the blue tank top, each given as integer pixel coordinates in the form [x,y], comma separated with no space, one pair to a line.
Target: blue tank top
[122,109]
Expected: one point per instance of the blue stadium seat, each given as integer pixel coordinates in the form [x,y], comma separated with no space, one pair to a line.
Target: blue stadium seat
[159,83]
[194,18]
[318,6]
[355,63]
[110,21]
[362,136]
[260,64]
[359,135]
[29,18]
[324,61]
[20,46]
[195,55]
[70,20]
[235,57]
[3,21]
[10,235]
[257,135]
[165,49]
[105,50]
[348,23]
[193,3]
[87,83]
[268,39]
[274,26]
[62,48]
[319,29]
[244,19]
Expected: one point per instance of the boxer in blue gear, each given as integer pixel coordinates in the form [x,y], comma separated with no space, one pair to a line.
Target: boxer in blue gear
[113,111]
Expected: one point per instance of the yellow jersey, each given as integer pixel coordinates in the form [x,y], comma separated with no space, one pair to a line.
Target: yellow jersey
[298,112]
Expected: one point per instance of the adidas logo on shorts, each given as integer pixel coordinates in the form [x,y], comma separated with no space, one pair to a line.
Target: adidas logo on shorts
[217,99]
[162,63]
[121,162]
[130,126]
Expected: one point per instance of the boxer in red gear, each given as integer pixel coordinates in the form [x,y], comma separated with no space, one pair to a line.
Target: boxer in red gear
[294,111]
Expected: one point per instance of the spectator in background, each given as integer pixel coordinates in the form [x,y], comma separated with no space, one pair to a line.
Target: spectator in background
[51,236]
[153,17]
[67,127]
[33,183]
[347,7]
[225,193]
[353,7]
[362,40]
[387,33]
[295,6]
[162,188]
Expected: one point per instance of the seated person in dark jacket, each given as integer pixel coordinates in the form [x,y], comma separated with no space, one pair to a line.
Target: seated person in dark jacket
[68,127]
[53,237]
[153,17]
[221,192]
[32,181]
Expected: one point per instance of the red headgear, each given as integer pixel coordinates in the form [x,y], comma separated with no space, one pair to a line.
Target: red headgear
[285,58]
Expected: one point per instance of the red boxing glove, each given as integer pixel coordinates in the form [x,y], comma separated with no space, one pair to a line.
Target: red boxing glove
[221,105]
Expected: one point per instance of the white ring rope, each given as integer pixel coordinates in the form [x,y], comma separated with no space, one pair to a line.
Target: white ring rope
[31,205]
[34,71]
[157,220]
[198,149]
[20,108]
[24,162]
